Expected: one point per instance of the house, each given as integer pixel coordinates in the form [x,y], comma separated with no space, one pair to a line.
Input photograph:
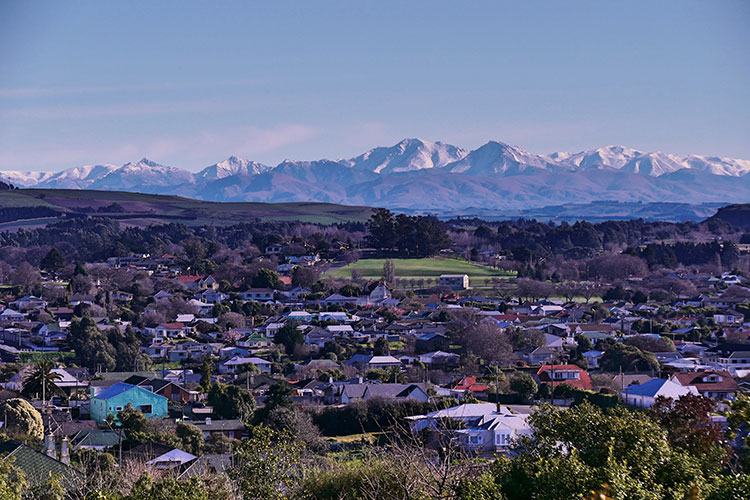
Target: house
[28,302]
[464,413]
[173,391]
[211,296]
[274,249]
[568,374]
[339,300]
[95,439]
[171,459]
[711,384]
[120,296]
[431,342]
[163,297]
[379,294]
[81,298]
[644,395]
[470,385]
[493,432]
[440,360]
[455,281]
[347,393]
[172,330]
[11,315]
[235,364]
[257,294]
[593,357]
[370,362]
[37,467]
[233,429]
[199,307]
[729,317]
[115,398]
[196,283]
[537,355]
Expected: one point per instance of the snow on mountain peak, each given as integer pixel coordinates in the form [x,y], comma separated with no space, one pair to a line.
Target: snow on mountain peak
[406,156]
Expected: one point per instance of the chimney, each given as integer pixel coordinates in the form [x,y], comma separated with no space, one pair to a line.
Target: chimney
[49,446]
[65,451]
[208,420]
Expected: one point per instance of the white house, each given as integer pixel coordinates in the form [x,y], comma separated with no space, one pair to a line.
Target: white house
[644,395]
[457,281]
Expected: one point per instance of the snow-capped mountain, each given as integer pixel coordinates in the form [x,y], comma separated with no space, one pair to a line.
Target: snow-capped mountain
[496,158]
[145,175]
[416,174]
[653,164]
[229,167]
[406,156]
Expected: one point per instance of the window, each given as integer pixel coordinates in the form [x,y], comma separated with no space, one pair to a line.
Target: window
[146,409]
[475,439]
[501,439]
[118,408]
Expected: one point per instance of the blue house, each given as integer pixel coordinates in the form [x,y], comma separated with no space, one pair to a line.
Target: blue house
[117,397]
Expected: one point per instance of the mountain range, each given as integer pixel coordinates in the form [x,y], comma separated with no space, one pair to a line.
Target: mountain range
[431,177]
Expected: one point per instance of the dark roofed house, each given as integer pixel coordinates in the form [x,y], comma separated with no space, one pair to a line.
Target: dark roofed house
[37,466]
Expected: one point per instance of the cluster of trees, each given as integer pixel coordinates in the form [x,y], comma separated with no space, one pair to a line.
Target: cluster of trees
[688,253]
[410,236]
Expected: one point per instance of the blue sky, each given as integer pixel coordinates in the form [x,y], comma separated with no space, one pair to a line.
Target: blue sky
[190,83]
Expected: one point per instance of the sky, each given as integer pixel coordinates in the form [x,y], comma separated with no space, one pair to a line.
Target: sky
[189,83]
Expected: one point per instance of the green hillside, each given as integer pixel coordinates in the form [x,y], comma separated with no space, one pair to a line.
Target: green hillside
[140,209]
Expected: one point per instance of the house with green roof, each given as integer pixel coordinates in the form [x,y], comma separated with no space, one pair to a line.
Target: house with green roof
[37,466]
[116,397]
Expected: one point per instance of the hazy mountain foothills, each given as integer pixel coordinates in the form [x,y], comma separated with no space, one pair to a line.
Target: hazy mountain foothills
[421,175]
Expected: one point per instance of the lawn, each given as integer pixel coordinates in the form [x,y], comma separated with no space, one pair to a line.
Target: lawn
[420,269]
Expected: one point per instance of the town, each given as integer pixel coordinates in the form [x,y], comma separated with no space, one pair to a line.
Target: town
[408,355]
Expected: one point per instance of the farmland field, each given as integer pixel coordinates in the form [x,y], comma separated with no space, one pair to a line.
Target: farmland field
[420,269]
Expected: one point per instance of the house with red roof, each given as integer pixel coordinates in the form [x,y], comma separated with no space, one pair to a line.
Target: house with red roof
[712,384]
[196,283]
[565,374]
[469,384]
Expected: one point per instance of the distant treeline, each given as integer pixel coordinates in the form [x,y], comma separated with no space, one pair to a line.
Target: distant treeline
[529,239]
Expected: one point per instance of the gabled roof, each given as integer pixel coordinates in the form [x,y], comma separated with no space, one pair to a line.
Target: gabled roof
[659,387]
[36,465]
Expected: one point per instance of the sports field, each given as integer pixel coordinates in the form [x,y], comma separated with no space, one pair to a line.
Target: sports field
[420,269]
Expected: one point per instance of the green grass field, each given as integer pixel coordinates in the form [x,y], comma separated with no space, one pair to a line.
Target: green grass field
[420,269]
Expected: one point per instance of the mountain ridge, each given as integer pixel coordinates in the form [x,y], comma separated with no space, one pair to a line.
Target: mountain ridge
[419,174]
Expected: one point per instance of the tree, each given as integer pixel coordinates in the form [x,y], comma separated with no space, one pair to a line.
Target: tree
[382,347]
[206,370]
[22,419]
[627,358]
[389,272]
[127,348]
[381,230]
[169,488]
[304,276]
[523,384]
[53,261]
[12,480]
[489,342]
[41,382]
[231,401]
[90,345]
[289,336]
[191,437]
[266,465]
[266,278]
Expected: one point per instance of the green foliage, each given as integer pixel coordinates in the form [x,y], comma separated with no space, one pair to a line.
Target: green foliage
[22,419]
[50,489]
[627,358]
[53,261]
[169,488]
[523,384]
[42,380]
[289,336]
[191,437]
[91,346]
[266,278]
[267,465]
[231,401]
[12,480]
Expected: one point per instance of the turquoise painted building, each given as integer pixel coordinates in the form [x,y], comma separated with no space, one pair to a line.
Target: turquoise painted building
[117,397]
